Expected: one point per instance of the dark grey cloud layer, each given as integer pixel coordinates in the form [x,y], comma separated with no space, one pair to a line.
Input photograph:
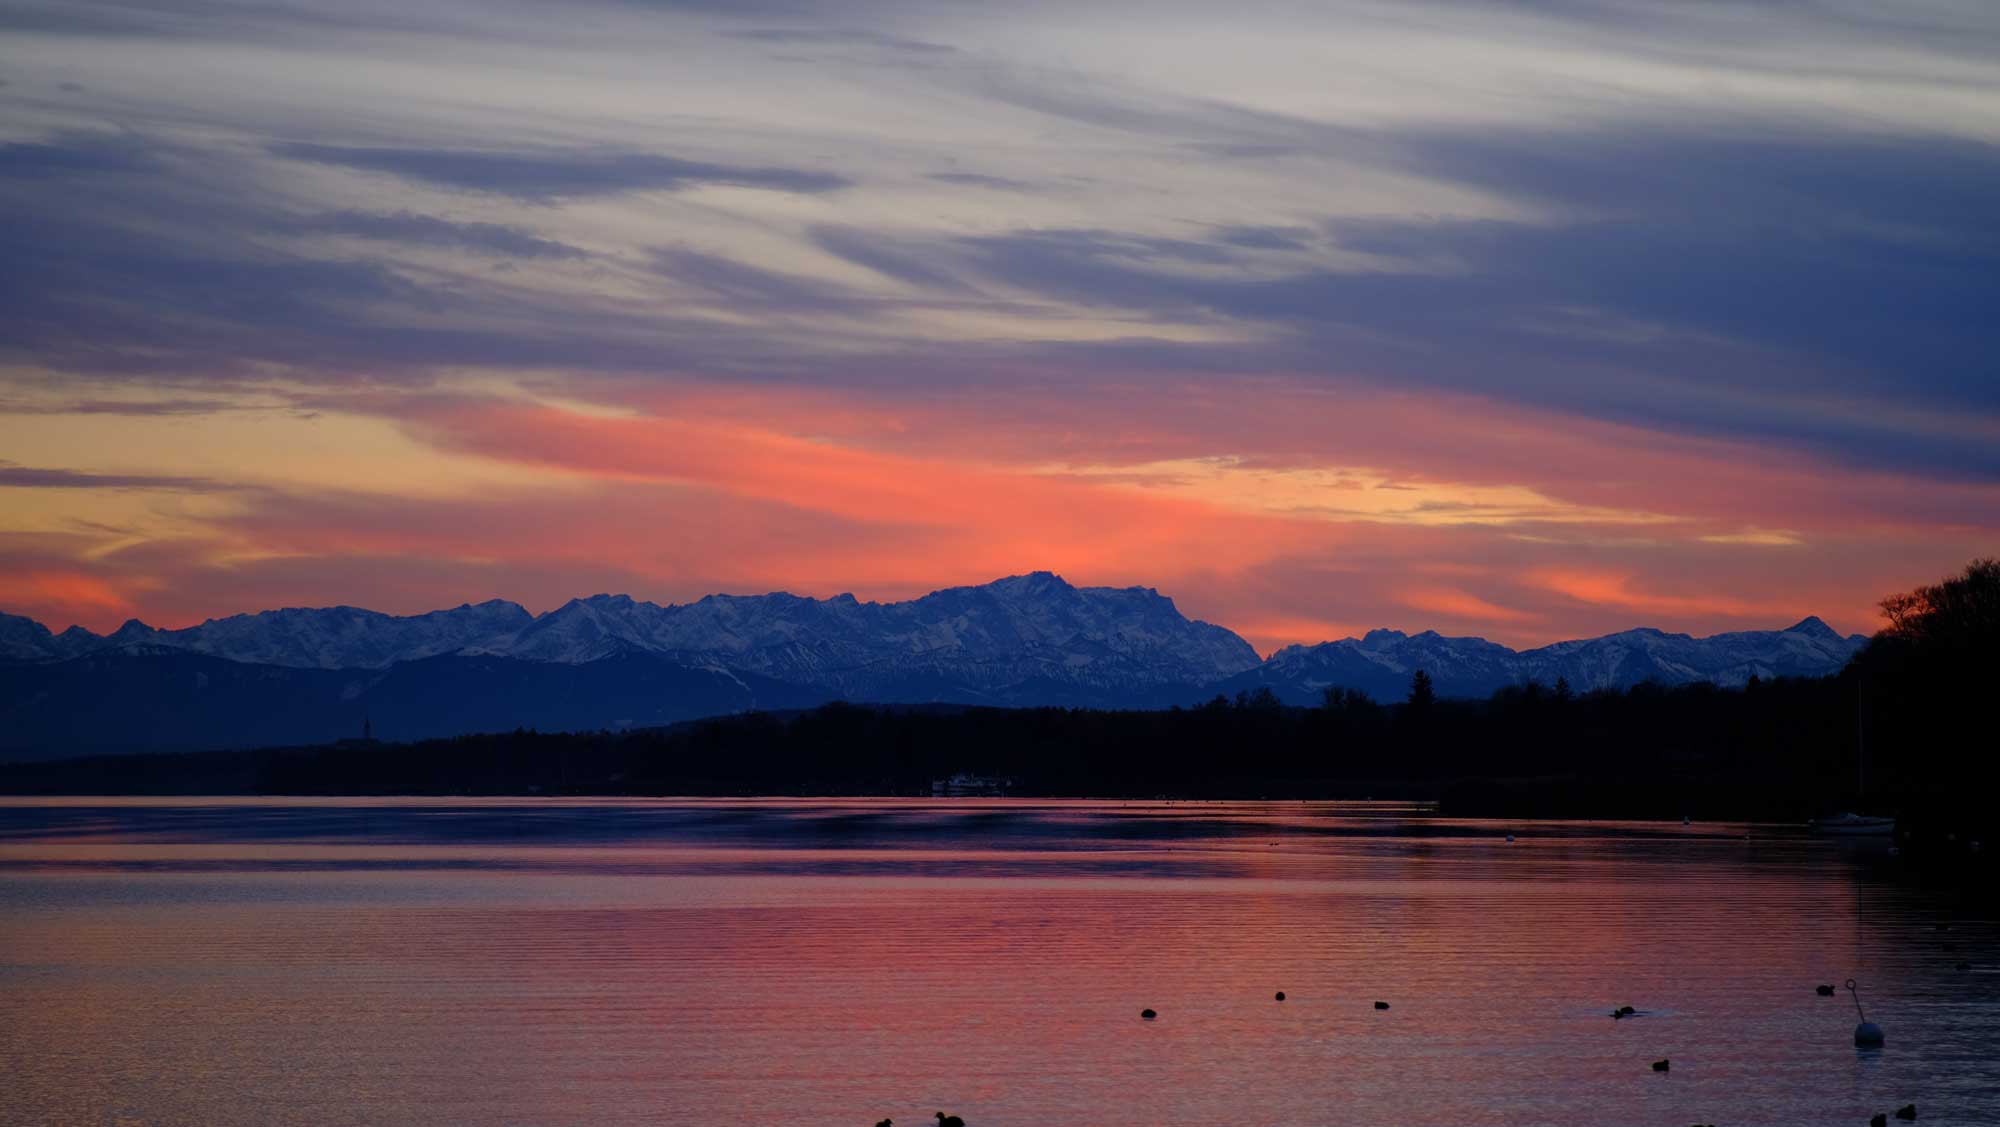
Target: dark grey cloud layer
[546,176]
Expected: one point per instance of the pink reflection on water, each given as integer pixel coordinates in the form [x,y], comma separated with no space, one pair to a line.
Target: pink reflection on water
[839,962]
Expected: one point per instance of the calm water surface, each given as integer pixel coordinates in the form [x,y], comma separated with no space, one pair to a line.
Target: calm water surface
[396,962]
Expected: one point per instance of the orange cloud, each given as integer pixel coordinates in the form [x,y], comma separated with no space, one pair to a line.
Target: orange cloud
[1615,589]
[995,518]
[1454,603]
[59,597]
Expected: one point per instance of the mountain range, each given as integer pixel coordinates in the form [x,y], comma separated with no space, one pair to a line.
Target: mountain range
[304,675]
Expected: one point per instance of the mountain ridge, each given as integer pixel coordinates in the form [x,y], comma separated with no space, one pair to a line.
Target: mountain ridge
[1028,640]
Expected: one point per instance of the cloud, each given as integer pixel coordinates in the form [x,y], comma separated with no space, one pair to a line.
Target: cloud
[14,476]
[840,37]
[881,254]
[743,285]
[981,180]
[428,230]
[76,153]
[548,176]
[1268,238]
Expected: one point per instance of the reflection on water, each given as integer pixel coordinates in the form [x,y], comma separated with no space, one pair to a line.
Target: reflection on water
[678,962]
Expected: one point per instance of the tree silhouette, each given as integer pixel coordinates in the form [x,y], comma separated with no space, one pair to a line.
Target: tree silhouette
[1963,611]
[1422,696]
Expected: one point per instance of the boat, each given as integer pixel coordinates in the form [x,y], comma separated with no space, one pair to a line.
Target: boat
[1855,825]
[1851,824]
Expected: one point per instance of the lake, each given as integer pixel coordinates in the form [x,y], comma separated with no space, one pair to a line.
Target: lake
[392,961]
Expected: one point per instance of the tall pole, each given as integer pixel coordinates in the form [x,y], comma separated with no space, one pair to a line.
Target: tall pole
[1860,743]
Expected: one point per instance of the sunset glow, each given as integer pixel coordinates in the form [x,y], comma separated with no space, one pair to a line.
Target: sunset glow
[1566,337]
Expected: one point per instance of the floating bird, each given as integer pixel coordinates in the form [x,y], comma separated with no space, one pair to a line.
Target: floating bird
[1281,995]
[1907,1111]
[1823,990]
[1623,1011]
[1660,1066]
[1880,1120]
[886,1123]
[1381,1005]
[1148,1014]
[949,1120]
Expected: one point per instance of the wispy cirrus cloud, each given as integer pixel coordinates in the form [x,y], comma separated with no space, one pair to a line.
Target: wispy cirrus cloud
[411,228]
[555,175]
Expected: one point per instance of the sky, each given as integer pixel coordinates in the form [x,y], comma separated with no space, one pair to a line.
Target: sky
[1524,320]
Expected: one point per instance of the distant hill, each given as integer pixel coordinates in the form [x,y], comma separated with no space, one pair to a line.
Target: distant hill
[304,675]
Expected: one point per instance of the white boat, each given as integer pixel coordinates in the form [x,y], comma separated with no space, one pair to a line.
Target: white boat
[1855,825]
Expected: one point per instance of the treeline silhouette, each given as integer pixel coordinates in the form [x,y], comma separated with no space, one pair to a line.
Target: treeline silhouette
[1916,704]
[1787,746]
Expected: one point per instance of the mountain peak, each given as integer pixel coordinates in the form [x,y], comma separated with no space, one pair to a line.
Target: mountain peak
[1812,626]
[1034,581]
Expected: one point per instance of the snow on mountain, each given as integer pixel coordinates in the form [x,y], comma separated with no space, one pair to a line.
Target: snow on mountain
[988,638]
[307,638]
[24,639]
[1382,662]
[1026,639]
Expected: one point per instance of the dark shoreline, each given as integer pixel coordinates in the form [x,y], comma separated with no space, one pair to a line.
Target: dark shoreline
[1782,752]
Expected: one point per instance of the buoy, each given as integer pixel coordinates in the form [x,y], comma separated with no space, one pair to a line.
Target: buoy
[1867,1035]
[1381,1005]
[1660,1066]
[1148,1014]
[1281,995]
[1907,1111]
[1684,819]
[1510,837]
[1823,990]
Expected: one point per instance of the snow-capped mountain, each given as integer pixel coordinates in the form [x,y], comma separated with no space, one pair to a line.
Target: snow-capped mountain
[1007,633]
[612,661]
[1382,663]
[1017,630]
[299,637]
[1025,630]
[24,639]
